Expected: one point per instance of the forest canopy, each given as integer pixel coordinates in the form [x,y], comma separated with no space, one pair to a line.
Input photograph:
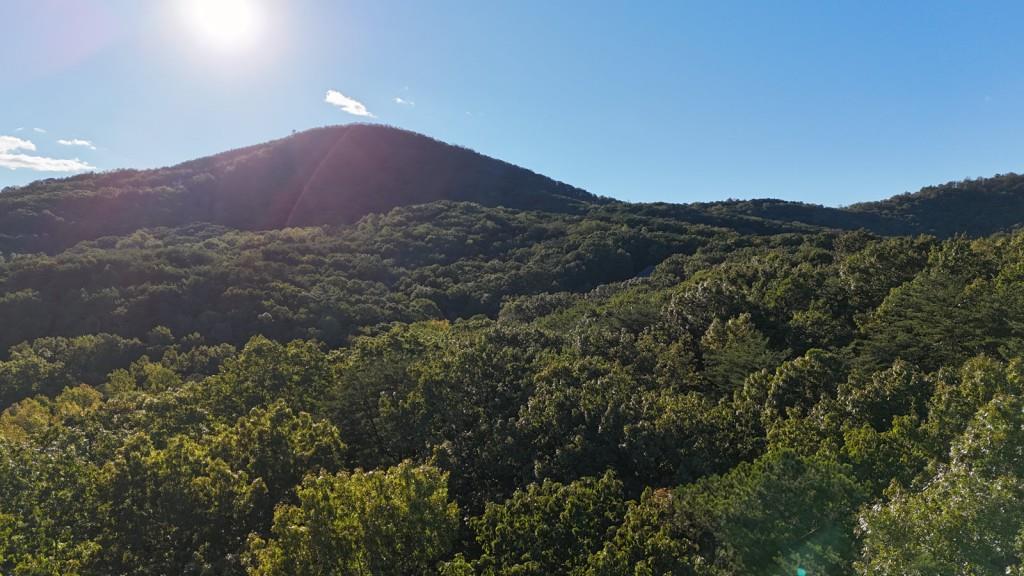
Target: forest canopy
[470,387]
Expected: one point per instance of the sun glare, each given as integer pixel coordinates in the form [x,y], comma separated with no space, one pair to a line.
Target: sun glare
[225,24]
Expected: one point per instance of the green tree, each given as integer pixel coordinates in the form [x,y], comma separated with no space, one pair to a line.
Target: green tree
[549,528]
[649,542]
[969,518]
[394,522]
[189,507]
[734,349]
[778,514]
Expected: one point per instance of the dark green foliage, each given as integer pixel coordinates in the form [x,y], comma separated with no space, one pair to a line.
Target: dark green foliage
[732,351]
[548,528]
[48,365]
[969,518]
[588,388]
[781,513]
[978,207]
[947,313]
[648,542]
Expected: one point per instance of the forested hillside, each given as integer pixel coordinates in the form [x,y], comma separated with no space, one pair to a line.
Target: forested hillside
[336,175]
[331,175]
[490,373]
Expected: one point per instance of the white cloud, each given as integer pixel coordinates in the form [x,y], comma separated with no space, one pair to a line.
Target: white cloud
[77,142]
[10,144]
[12,156]
[350,105]
[403,102]
[39,130]
[42,163]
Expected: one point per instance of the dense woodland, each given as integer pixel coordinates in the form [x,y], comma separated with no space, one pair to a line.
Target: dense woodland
[509,384]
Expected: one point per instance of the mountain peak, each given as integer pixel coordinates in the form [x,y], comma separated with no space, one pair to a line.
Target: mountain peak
[325,176]
[338,174]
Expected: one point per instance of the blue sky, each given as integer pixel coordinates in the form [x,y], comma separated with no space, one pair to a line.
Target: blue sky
[829,102]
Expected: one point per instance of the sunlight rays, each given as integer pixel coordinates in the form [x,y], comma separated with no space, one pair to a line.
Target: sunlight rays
[226,25]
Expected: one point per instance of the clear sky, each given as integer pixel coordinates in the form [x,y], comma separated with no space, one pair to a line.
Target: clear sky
[826,101]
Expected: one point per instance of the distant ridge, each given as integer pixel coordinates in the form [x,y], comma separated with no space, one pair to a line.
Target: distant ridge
[976,207]
[338,174]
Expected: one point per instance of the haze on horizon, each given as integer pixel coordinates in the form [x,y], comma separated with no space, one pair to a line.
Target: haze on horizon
[830,103]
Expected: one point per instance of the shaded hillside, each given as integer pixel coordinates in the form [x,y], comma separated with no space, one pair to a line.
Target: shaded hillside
[336,175]
[441,260]
[330,175]
[764,216]
[974,207]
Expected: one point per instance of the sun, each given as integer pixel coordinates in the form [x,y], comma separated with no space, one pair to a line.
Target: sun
[227,25]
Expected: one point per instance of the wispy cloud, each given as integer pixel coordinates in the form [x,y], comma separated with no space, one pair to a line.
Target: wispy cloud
[12,156]
[403,102]
[77,142]
[39,130]
[347,104]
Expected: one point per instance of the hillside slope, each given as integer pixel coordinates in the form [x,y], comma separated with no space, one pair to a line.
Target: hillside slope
[337,175]
[976,207]
[331,175]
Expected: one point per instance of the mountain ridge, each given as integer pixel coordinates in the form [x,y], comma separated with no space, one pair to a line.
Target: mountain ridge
[332,175]
[335,175]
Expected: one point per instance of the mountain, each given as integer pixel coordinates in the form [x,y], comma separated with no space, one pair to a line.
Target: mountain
[336,175]
[331,175]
